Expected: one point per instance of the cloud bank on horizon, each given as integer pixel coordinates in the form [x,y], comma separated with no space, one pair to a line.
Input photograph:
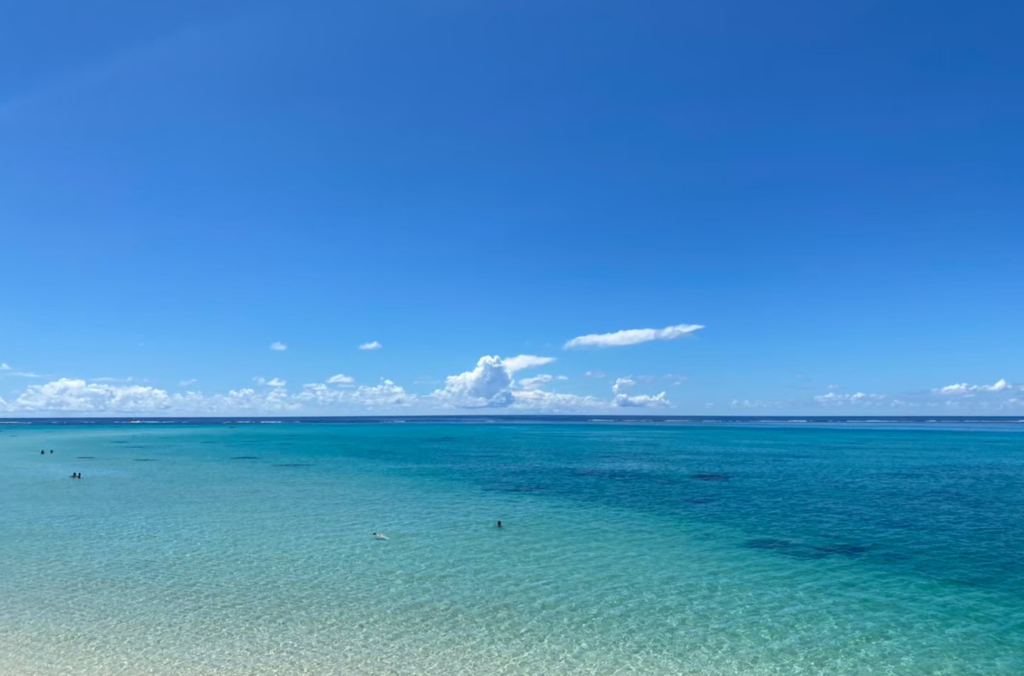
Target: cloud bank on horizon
[494,383]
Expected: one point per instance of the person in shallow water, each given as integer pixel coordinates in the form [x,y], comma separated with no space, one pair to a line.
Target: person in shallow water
[499,524]
[380,536]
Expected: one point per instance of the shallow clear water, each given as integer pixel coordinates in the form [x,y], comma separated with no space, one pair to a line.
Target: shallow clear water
[627,549]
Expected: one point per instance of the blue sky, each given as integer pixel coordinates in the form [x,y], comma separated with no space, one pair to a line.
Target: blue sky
[831,190]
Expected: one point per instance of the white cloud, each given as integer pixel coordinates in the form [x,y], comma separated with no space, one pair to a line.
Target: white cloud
[963,388]
[487,385]
[858,398]
[273,382]
[28,374]
[554,402]
[525,361]
[595,374]
[75,396]
[371,346]
[632,336]
[756,403]
[4,367]
[341,379]
[834,387]
[536,382]
[492,385]
[384,394]
[72,395]
[278,346]
[186,383]
[641,400]
[623,385]
[110,379]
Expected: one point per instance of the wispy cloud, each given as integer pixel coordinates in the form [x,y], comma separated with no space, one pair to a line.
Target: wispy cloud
[963,388]
[371,346]
[595,374]
[341,379]
[525,361]
[186,383]
[756,403]
[110,379]
[856,398]
[535,382]
[273,382]
[84,76]
[278,346]
[4,367]
[632,336]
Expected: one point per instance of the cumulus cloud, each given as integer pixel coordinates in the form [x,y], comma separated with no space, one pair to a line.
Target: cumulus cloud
[371,346]
[76,396]
[385,394]
[341,379]
[623,385]
[486,386]
[491,384]
[73,395]
[525,361]
[641,400]
[963,388]
[278,346]
[632,336]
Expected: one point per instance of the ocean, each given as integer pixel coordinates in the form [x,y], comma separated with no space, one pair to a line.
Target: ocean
[714,548]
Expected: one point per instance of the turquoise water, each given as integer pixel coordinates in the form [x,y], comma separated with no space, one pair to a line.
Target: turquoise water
[627,549]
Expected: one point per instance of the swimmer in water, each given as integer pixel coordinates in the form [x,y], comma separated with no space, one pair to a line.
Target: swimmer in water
[499,524]
[380,536]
